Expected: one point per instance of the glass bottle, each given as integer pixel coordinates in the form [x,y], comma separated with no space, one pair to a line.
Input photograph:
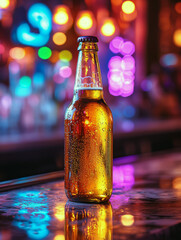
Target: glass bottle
[88,132]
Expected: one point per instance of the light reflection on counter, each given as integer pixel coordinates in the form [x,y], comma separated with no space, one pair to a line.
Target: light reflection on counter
[127,220]
[123,176]
[88,221]
[33,214]
[123,180]
[60,212]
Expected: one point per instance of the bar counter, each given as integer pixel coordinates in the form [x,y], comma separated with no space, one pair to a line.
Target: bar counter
[145,204]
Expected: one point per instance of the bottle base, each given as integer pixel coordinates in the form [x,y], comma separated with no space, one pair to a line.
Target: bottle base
[88,198]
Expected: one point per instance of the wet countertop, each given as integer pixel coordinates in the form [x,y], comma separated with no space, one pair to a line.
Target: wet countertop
[145,204]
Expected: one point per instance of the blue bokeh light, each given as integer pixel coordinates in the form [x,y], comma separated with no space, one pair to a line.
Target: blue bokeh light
[40,17]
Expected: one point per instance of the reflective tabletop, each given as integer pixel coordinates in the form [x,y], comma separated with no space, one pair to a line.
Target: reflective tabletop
[145,204]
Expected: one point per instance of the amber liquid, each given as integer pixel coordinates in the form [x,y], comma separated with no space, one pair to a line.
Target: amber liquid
[88,221]
[88,148]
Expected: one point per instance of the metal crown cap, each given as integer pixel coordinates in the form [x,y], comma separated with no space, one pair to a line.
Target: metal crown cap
[87,39]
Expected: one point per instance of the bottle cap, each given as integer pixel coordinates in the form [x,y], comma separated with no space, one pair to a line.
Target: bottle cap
[87,39]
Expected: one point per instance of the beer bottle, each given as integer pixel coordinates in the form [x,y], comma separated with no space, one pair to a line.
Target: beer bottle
[88,131]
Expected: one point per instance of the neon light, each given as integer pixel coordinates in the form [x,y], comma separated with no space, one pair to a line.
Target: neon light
[44,53]
[39,16]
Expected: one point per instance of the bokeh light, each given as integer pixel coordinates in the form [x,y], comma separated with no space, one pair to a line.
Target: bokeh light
[116,2]
[169,60]
[128,63]
[61,15]
[177,37]
[116,44]
[85,21]
[177,183]
[25,81]
[4,4]
[108,28]
[40,17]
[14,67]
[17,53]
[127,48]
[54,57]
[128,7]
[65,55]
[2,48]
[44,53]
[115,62]
[121,70]
[178,7]
[59,38]
[59,237]
[38,80]
[65,72]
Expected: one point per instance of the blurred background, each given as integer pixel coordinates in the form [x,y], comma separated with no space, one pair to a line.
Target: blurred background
[140,60]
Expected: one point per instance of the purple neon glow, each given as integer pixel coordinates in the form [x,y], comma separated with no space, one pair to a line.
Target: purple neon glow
[115,44]
[128,63]
[128,76]
[127,48]
[115,62]
[121,70]
[123,176]
[65,72]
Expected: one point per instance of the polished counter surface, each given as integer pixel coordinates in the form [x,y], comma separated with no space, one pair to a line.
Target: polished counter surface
[145,204]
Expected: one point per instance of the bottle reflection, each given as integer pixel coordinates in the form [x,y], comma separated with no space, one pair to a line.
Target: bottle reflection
[88,221]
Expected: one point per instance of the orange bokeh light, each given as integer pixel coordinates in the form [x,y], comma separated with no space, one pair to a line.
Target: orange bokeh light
[108,28]
[85,21]
[61,15]
[17,53]
[178,7]
[128,7]
[4,4]
[177,37]
[59,38]
[116,2]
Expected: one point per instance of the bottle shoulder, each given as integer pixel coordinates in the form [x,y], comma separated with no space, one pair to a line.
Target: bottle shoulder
[89,107]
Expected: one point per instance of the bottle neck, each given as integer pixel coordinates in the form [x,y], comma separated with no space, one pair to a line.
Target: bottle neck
[88,75]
